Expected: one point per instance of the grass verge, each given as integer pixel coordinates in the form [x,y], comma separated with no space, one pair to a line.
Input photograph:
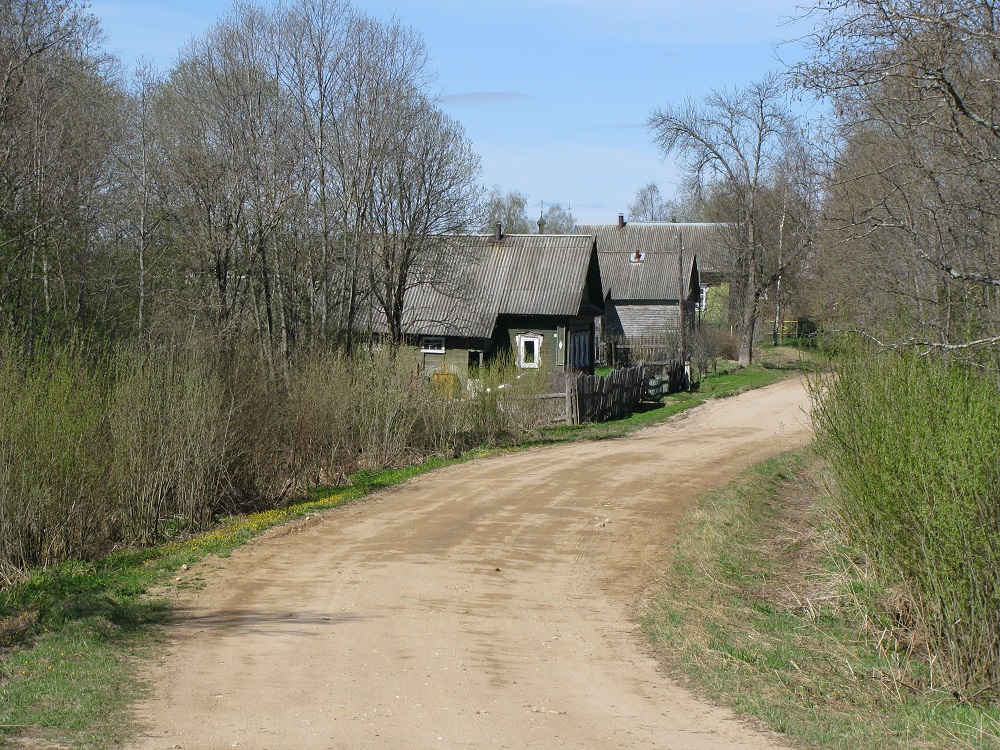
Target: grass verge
[71,636]
[719,385]
[762,610]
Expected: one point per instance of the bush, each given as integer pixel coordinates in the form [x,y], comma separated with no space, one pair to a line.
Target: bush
[52,476]
[124,448]
[708,345]
[915,447]
[503,403]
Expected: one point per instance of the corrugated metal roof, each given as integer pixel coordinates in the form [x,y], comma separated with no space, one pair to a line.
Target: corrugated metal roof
[655,277]
[522,275]
[706,241]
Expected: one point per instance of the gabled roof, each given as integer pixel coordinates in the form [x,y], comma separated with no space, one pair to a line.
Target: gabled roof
[656,273]
[523,274]
[655,277]
[708,242]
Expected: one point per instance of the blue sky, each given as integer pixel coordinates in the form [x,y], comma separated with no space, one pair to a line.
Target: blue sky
[552,93]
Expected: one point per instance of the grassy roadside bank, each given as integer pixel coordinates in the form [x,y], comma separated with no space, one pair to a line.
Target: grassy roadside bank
[72,636]
[761,611]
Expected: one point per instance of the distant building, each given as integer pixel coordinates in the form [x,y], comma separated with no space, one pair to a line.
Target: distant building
[648,270]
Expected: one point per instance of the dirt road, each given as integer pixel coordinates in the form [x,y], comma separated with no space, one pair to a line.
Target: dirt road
[486,605]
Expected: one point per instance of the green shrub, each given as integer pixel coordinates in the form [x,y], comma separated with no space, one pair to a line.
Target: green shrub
[503,403]
[51,473]
[167,427]
[122,448]
[915,446]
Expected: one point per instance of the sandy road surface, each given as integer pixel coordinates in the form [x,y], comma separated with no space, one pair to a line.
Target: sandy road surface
[486,605]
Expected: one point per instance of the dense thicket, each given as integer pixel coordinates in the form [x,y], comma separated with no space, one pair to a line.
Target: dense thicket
[915,446]
[126,446]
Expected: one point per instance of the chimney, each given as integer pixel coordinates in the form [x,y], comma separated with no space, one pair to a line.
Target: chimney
[498,232]
[621,221]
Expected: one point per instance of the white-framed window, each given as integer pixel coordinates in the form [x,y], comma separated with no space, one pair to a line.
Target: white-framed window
[702,303]
[432,344]
[529,350]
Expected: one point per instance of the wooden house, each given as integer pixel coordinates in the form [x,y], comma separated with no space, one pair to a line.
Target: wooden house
[535,297]
[647,272]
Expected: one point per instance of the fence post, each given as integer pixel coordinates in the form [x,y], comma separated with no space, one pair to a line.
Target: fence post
[572,401]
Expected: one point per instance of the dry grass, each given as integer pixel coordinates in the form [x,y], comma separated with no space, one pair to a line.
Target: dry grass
[765,610]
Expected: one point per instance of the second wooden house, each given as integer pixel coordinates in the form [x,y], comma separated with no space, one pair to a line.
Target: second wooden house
[648,277]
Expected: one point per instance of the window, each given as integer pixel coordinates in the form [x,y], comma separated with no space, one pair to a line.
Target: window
[432,344]
[529,350]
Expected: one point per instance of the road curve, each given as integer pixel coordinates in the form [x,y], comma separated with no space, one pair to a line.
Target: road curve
[485,605]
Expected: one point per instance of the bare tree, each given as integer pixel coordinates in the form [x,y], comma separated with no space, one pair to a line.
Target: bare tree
[649,205]
[735,145]
[510,210]
[917,186]
[139,214]
[57,105]
[386,66]
[426,190]
[234,173]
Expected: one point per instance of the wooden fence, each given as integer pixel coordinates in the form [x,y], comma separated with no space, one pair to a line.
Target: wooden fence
[667,377]
[590,398]
[627,352]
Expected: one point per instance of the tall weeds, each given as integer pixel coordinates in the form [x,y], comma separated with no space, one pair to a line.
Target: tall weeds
[915,446]
[124,447]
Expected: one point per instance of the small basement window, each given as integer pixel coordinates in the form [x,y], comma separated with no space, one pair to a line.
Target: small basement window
[529,350]
[432,344]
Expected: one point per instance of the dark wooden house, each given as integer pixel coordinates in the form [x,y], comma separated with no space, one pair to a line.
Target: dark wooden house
[647,272]
[535,297]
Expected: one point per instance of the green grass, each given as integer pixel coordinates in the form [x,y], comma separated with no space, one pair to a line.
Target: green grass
[720,385]
[792,355]
[71,636]
[759,611]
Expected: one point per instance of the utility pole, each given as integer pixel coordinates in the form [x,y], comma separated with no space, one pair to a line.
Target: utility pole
[681,297]
[682,309]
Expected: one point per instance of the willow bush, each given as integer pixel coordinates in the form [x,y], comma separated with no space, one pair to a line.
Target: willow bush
[503,404]
[915,447]
[167,427]
[100,450]
[51,474]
